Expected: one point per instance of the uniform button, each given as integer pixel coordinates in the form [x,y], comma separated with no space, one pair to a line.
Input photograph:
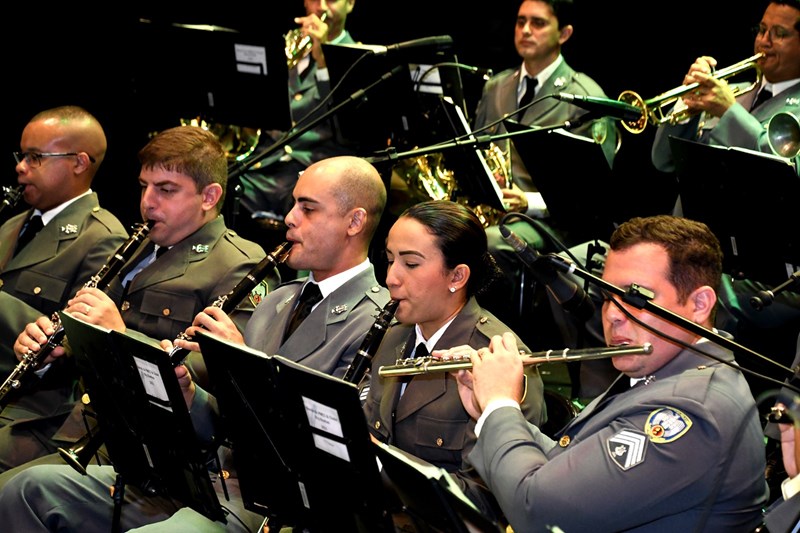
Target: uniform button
[95,209]
[288,149]
[37,290]
[439,442]
[376,289]
[125,305]
[564,441]
[483,319]
[298,97]
[85,399]
[377,424]
[165,311]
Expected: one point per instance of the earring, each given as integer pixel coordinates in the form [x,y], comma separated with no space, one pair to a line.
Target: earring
[452,289]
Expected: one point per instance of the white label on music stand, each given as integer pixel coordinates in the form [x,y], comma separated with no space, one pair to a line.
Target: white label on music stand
[332,447]
[151,379]
[323,417]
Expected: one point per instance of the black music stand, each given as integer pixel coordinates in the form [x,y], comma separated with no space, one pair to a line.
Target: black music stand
[295,433]
[141,415]
[575,179]
[393,113]
[758,229]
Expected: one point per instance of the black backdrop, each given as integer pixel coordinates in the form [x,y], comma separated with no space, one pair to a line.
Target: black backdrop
[68,56]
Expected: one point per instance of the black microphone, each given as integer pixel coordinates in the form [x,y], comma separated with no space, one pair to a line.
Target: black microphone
[437,41]
[605,106]
[765,298]
[567,293]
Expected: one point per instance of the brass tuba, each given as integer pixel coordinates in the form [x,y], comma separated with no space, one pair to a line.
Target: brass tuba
[239,142]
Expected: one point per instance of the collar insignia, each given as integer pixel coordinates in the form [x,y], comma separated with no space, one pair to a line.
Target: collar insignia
[200,248]
[627,448]
[339,309]
[559,82]
[666,425]
[69,229]
[792,101]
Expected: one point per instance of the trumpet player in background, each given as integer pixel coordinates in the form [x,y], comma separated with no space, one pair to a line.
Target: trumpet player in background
[61,150]
[674,410]
[189,259]
[438,261]
[267,186]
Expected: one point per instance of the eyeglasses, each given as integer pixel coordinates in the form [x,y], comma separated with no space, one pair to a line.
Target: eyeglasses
[776,33]
[34,159]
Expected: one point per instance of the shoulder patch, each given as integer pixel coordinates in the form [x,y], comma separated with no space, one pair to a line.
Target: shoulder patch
[627,448]
[666,425]
[259,292]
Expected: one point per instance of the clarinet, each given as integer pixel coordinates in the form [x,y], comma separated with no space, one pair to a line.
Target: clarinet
[11,196]
[228,302]
[363,358]
[31,360]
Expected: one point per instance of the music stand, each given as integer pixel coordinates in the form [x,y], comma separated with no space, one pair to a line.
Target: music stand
[183,71]
[576,186]
[756,228]
[393,112]
[296,432]
[141,415]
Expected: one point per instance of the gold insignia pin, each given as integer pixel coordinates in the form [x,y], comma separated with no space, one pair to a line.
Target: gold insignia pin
[339,309]
[200,248]
[69,229]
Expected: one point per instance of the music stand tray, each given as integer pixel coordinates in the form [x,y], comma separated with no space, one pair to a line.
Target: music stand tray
[301,430]
[142,415]
[756,228]
[576,186]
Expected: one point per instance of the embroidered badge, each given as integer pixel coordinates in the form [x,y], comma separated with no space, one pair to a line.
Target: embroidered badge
[627,448]
[259,292]
[666,425]
[792,101]
[69,229]
[560,81]
[339,309]
[200,248]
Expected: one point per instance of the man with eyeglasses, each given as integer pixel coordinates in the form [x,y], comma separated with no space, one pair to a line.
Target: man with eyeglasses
[47,253]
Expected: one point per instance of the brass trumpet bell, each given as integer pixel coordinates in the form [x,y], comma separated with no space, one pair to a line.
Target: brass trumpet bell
[783,134]
[80,455]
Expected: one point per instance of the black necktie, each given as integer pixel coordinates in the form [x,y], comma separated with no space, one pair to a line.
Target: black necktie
[310,297]
[30,230]
[530,89]
[763,95]
[421,351]
[161,250]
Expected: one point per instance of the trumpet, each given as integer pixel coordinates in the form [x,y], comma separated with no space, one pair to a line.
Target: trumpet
[228,302]
[655,109]
[31,360]
[428,365]
[298,45]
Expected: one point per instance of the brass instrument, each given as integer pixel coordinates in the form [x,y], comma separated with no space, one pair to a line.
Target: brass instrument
[31,360]
[81,453]
[228,302]
[429,364]
[11,196]
[783,134]
[239,142]
[298,45]
[654,110]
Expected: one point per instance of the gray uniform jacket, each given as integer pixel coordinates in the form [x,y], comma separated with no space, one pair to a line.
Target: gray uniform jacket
[499,98]
[737,127]
[683,452]
[64,255]
[428,420]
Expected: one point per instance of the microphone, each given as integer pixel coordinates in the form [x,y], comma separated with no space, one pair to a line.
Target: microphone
[437,41]
[765,298]
[605,106]
[567,293]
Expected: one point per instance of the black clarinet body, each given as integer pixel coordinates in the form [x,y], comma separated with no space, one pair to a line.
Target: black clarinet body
[11,196]
[228,302]
[363,358]
[31,360]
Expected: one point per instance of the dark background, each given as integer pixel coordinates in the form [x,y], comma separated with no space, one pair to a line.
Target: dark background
[66,56]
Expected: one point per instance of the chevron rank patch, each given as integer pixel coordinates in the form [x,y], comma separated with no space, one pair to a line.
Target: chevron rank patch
[627,448]
[666,425]
[259,292]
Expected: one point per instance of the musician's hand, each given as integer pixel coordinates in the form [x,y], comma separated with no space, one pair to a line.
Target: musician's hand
[713,95]
[95,307]
[216,321]
[497,371]
[315,28]
[515,200]
[790,446]
[186,383]
[33,337]
[467,394]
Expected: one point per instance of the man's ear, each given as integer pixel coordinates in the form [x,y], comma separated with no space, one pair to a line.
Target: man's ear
[358,218]
[703,299]
[211,195]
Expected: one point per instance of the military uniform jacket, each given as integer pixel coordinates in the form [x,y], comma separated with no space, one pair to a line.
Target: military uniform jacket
[738,126]
[499,98]
[62,257]
[682,453]
[428,420]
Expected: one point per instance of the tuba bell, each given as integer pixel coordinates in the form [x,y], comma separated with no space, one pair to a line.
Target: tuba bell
[783,134]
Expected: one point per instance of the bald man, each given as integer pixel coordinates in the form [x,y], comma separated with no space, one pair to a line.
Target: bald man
[60,152]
